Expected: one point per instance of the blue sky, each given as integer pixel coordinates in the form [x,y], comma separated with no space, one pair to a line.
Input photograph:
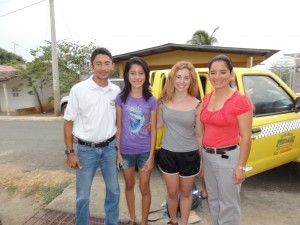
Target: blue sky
[125,26]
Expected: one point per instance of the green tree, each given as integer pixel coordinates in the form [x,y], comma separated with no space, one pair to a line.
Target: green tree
[73,63]
[10,58]
[202,37]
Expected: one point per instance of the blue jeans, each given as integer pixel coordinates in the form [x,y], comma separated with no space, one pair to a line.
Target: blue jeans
[131,160]
[91,159]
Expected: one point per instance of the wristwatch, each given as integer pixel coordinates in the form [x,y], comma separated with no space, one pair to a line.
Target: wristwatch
[67,152]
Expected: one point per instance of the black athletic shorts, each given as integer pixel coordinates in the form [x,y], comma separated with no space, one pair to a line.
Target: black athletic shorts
[186,164]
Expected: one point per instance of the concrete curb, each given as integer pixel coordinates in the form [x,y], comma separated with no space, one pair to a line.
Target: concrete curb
[32,118]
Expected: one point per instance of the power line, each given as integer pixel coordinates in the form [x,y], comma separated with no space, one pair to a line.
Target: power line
[22,8]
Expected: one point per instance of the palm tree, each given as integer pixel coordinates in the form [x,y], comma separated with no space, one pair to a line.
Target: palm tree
[201,37]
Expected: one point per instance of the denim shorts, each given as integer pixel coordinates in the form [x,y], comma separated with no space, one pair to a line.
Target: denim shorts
[135,159]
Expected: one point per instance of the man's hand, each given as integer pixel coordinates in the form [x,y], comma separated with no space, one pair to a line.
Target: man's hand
[73,161]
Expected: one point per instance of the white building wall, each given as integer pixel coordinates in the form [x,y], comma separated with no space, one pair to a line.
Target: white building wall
[45,93]
[16,100]
[291,63]
[297,76]
[21,99]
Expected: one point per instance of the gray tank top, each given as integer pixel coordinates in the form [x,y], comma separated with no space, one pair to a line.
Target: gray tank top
[179,130]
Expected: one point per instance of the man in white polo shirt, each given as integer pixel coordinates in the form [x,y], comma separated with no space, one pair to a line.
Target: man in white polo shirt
[91,117]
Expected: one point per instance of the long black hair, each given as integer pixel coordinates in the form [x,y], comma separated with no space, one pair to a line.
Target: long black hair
[146,86]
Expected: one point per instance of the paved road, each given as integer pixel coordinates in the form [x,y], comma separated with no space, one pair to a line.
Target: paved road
[33,144]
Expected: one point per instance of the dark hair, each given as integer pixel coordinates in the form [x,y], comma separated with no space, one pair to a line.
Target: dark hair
[223,58]
[146,86]
[102,51]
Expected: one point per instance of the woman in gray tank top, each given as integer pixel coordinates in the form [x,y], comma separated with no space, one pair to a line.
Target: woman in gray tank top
[179,158]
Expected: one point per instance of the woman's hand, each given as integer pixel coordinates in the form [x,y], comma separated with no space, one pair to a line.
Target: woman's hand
[201,174]
[238,176]
[148,127]
[120,160]
[149,164]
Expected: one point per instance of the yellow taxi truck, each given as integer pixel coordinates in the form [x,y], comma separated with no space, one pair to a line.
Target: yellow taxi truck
[276,120]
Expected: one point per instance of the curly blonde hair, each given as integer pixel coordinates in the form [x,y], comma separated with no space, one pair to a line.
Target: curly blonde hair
[169,90]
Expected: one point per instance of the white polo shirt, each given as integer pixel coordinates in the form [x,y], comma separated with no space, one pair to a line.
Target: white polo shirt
[92,109]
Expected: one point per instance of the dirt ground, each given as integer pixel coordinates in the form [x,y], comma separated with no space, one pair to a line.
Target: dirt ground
[23,190]
[17,180]
[270,198]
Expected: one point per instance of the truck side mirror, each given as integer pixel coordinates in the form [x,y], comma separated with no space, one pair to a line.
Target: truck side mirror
[297,104]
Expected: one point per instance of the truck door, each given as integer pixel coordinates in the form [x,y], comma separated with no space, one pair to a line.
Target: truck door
[157,83]
[276,125]
[204,84]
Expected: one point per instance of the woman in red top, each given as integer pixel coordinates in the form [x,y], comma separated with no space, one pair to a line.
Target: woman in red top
[226,116]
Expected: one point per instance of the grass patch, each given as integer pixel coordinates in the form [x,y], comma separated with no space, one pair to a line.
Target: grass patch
[47,192]
[9,187]
[43,185]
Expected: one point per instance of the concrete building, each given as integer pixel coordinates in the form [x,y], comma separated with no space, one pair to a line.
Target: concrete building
[14,94]
[296,70]
[165,56]
[289,64]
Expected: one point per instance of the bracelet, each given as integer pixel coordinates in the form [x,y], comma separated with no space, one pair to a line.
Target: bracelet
[246,169]
[242,168]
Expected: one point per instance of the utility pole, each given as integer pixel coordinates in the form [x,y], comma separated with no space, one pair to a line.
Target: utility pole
[15,44]
[55,75]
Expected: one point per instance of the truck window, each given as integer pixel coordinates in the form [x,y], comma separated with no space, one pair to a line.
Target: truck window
[203,80]
[266,95]
[152,77]
[164,80]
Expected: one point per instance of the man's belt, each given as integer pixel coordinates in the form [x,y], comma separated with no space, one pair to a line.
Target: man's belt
[220,151]
[97,145]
